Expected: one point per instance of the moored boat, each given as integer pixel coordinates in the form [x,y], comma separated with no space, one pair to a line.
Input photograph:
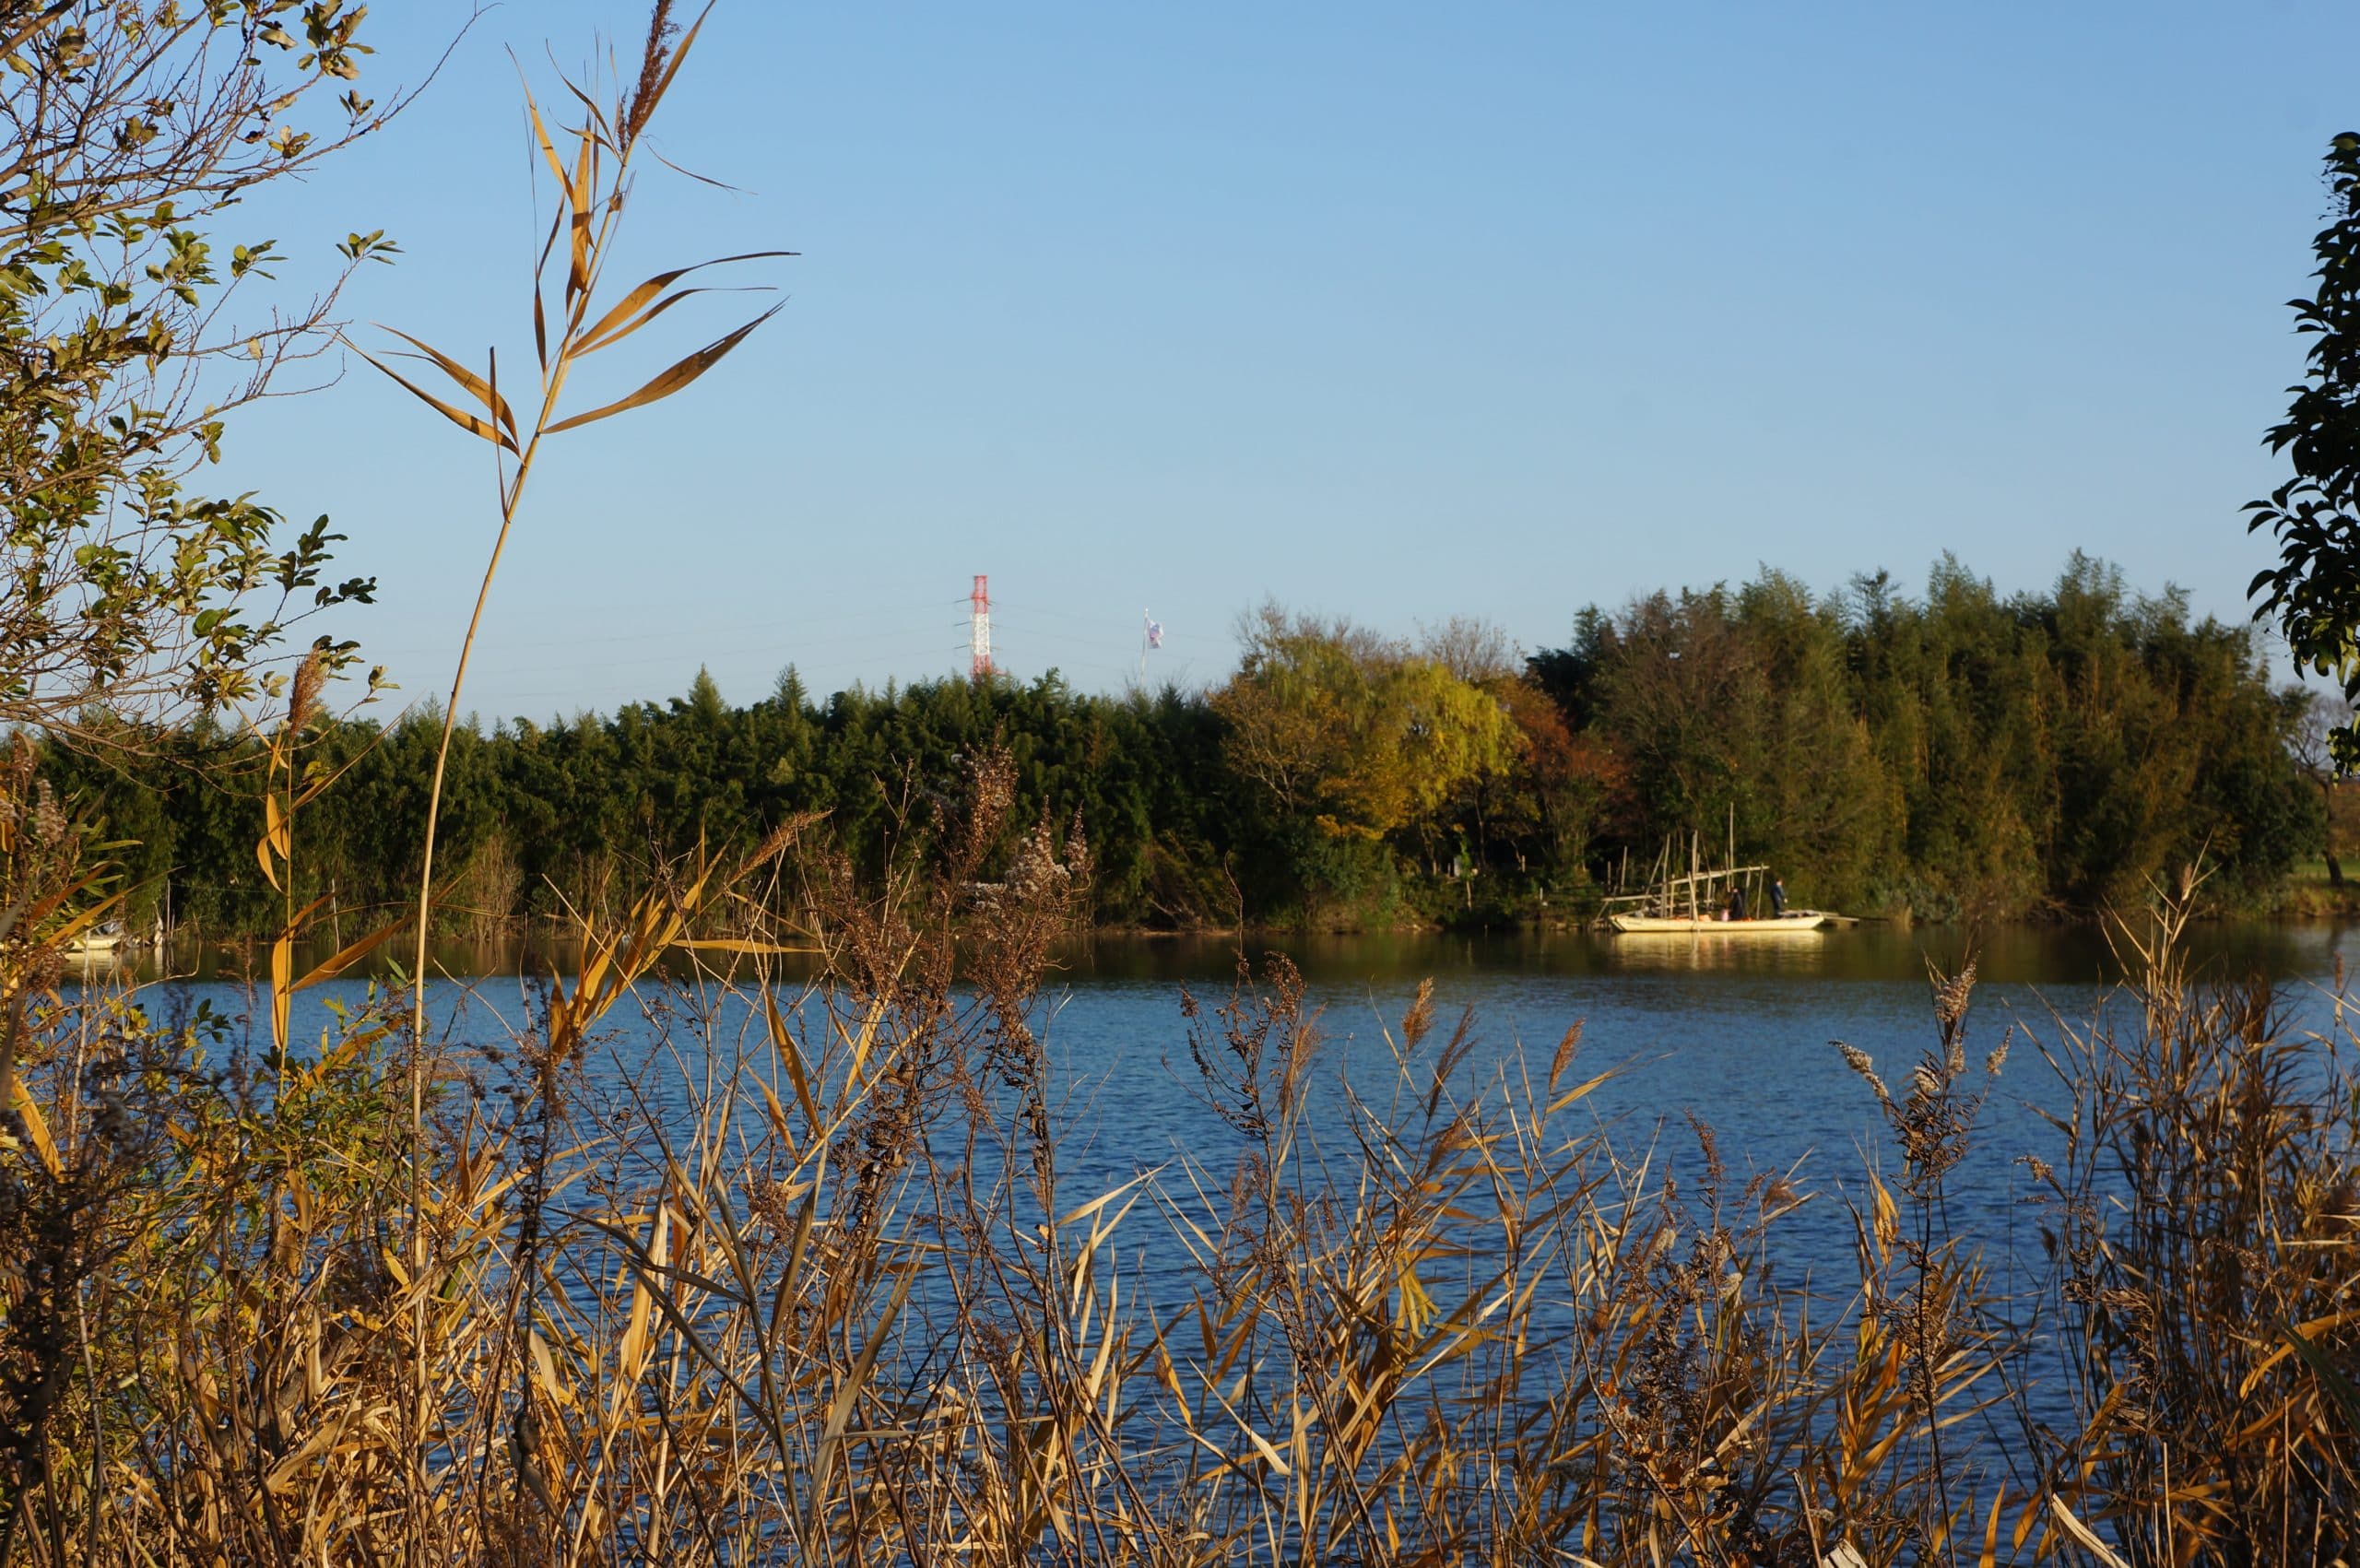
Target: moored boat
[99,944]
[1709,902]
[1795,923]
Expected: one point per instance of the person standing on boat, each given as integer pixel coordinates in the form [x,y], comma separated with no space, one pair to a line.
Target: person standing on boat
[1777,897]
[1736,903]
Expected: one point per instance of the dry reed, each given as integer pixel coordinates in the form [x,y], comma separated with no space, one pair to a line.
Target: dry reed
[808,1285]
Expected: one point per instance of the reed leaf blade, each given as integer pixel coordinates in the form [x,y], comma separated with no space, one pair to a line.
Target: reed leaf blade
[672,380]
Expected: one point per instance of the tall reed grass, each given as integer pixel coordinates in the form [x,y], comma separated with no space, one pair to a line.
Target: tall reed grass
[811,1285]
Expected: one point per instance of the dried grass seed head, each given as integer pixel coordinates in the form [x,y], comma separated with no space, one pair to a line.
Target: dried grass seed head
[303,692]
[1860,1062]
[1420,1016]
[1568,1049]
[654,56]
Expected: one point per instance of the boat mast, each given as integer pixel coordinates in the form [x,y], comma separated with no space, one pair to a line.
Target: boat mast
[1692,867]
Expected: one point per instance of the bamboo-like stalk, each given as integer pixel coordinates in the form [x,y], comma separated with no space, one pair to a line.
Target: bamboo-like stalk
[596,192]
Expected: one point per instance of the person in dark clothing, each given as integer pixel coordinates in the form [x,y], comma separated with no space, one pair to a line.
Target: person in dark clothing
[1777,897]
[1736,903]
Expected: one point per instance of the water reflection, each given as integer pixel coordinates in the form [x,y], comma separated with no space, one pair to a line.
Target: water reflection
[1775,953]
[2037,955]
[2033,955]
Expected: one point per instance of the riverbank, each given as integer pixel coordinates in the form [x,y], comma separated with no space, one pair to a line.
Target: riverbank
[2310,893]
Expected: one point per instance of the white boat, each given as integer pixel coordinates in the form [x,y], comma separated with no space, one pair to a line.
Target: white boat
[1794,923]
[97,945]
[1697,904]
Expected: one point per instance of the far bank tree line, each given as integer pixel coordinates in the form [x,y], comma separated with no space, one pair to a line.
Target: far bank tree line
[1948,752]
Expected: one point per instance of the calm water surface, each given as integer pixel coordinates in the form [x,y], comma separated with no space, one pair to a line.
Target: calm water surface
[1735,1031]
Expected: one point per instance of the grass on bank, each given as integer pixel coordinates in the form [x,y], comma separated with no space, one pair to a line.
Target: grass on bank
[813,1287]
[818,1292]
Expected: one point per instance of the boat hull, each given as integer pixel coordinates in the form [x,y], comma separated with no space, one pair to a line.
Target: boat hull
[1800,923]
[99,946]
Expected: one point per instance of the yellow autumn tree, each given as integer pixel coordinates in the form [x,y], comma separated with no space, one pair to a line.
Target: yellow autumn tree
[1352,729]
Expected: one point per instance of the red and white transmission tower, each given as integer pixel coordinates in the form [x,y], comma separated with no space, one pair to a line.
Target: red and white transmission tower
[979,627]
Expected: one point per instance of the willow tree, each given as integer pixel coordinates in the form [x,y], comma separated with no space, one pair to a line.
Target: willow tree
[1361,734]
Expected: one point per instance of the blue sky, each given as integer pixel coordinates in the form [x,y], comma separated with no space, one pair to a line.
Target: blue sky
[1398,312]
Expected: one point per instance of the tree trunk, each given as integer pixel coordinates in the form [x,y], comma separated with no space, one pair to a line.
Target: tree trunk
[2327,846]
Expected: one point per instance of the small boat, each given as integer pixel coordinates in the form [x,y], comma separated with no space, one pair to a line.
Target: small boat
[99,944]
[1696,904]
[1794,923]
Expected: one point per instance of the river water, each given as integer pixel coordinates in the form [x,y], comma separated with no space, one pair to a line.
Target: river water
[1737,1032]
